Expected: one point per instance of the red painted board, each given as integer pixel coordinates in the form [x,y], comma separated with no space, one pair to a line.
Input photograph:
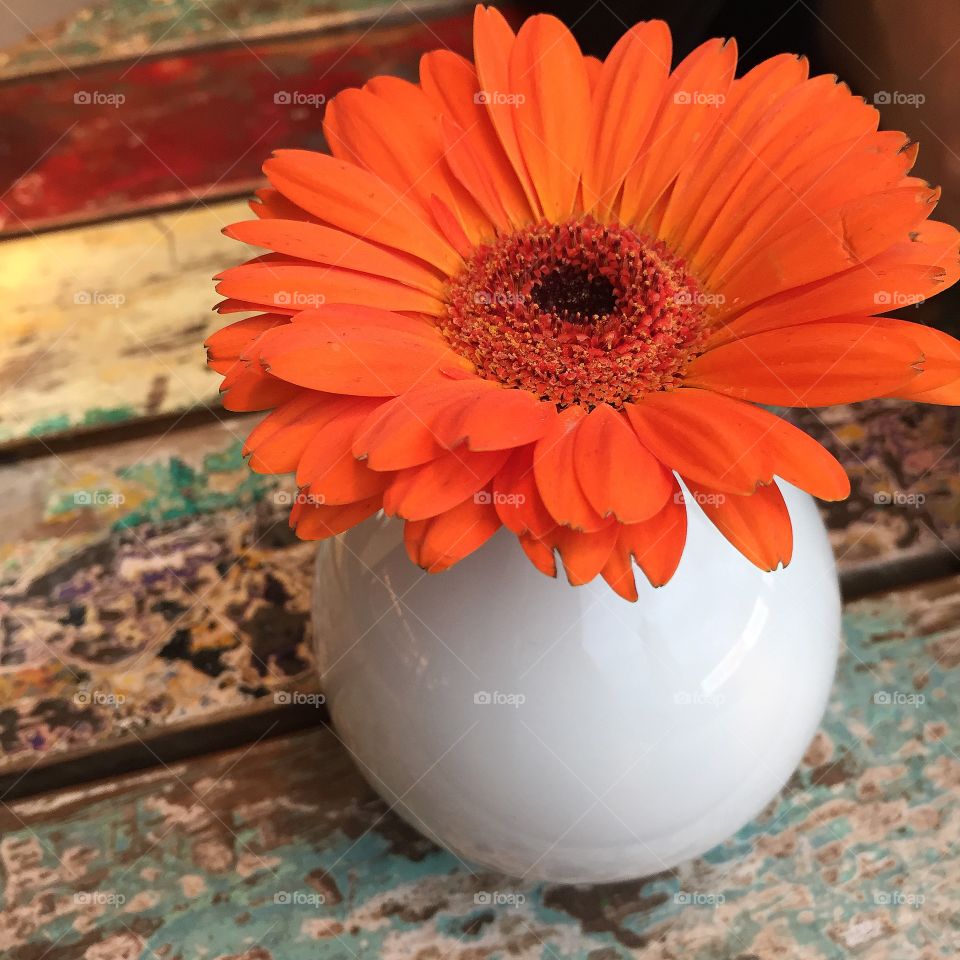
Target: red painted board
[122,138]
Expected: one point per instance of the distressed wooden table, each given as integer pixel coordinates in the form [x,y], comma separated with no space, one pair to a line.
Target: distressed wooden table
[169,786]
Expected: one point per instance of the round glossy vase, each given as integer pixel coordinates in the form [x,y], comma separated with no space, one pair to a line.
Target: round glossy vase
[564,734]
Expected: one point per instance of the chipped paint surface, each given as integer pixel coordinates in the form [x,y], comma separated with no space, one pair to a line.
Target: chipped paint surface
[121,138]
[904,466]
[105,324]
[113,29]
[280,852]
[153,583]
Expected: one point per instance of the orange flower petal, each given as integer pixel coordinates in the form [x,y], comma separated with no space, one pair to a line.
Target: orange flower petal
[798,141]
[242,306]
[390,127]
[247,387]
[626,98]
[472,147]
[517,499]
[948,394]
[343,195]
[428,490]
[493,42]
[357,351]
[271,204]
[290,283]
[327,465]
[451,228]
[594,67]
[657,544]
[470,170]
[495,419]
[318,521]
[940,351]
[829,242]
[403,432]
[733,446]
[276,444]
[691,106]
[880,162]
[584,555]
[707,181]
[813,365]
[437,543]
[540,555]
[320,244]
[552,113]
[554,467]
[618,475]
[906,273]
[230,341]
[618,573]
[758,526]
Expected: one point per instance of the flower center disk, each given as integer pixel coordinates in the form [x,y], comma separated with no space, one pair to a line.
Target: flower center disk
[577,312]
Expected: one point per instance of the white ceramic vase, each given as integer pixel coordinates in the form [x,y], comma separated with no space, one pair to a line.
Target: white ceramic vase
[564,734]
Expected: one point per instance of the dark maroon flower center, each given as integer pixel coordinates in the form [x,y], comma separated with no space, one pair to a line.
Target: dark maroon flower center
[578,312]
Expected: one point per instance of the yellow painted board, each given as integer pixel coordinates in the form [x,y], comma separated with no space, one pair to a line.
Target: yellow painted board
[105,323]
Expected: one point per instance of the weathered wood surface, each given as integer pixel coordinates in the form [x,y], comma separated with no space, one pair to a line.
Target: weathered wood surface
[185,128]
[153,583]
[145,586]
[105,324]
[902,519]
[278,850]
[129,29]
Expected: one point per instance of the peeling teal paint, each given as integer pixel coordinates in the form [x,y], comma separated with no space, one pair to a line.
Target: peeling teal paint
[180,490]
[54,424]
[105,416]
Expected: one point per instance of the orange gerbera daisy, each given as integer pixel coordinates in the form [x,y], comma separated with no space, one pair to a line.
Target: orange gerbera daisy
[535,291]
